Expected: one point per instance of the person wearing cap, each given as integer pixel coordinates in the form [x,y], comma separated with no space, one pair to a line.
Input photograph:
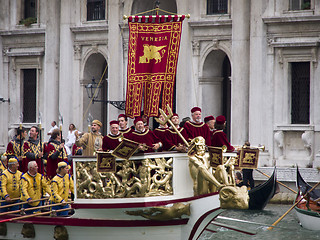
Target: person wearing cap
[60,187]
[145,120]
[149,142]
[90,142]
[33,187]
[56,153]
[15,146]
[10,185]
[123,124]
[197,128]
[210,121]
[219,138]
[173,140]
[113,139]
[33,149]
[160,132]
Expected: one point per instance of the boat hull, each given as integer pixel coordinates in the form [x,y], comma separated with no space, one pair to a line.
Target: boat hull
[308,219]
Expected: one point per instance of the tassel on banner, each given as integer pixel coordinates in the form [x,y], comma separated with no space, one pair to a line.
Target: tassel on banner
[157,18]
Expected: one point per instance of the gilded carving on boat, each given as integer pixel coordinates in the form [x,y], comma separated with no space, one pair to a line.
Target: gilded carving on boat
[141,178]
[163,213]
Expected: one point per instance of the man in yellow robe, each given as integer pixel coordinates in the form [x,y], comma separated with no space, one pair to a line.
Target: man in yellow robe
[61,185]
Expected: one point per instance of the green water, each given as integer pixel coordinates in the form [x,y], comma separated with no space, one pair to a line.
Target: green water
[287,228]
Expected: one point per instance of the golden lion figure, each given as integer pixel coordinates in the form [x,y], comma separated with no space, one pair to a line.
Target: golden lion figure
[151,52]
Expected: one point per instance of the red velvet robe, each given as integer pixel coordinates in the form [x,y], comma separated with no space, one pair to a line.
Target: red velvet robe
[147,137]
[198,129]
[123,131]
[52,163]
[161,133]
[110,142]
[219,138]
[31,149]
[173,139]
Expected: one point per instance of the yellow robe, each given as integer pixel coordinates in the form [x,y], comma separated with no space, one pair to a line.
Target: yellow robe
[33,187]
[90,142]
[10,184]
[60,187]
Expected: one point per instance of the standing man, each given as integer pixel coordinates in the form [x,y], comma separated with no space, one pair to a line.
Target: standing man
[90,142]
[112,140]
[53,127]
[56,153]
[123,124]
[61,185]
[10,185]
[219,138]
[149,142]
[196,128]
[33,150]
[173,140]
[33,187]
[15,146]
[210,121]
[160,132]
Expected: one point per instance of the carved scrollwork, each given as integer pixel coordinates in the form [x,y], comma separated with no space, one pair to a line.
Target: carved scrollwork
[148,177]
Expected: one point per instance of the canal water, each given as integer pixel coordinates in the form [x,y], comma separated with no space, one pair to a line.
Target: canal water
[287,228]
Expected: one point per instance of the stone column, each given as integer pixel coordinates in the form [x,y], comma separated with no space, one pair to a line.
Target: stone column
[240,71]
[50,96]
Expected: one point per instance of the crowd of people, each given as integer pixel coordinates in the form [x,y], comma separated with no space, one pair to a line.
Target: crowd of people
[33,169]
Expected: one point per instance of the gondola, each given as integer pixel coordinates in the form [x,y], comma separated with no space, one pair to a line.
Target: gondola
[308,211]
[261,195]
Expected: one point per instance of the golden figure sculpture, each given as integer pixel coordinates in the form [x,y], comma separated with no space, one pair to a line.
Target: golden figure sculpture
[163,213]
[222,180]
[148,177]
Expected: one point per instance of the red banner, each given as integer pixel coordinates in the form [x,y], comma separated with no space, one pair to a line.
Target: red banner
[152,62]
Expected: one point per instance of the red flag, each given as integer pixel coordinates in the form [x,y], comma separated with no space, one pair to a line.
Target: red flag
[152,62]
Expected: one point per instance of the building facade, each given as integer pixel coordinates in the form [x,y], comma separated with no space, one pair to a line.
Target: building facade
[256,62]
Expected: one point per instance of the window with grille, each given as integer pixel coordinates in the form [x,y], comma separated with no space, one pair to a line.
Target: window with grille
[96,10]
[300,4]
[30,9]
[217,7]
[300,92]
[29,95]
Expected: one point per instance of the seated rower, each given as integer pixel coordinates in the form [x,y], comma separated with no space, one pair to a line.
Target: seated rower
[149,142]
[112,140]
[61,185]
[33,187]
[10,185]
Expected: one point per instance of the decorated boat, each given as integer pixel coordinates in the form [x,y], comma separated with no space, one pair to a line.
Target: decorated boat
[308,209]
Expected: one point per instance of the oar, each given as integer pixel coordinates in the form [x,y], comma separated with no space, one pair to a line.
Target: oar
[33,208]
[276,222]
[13,199]
[234,228]
[19,203]
[277,181]
[34,215]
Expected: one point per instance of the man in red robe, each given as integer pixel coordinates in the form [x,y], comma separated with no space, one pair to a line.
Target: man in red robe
[123,124]
[112,140]
[149,142]
[56,153]
[33,149]
[173,140]
[210,121]
[219,138]
[160,132]
[197,128]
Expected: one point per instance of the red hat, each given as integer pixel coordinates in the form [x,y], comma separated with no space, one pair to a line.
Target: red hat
[121,115]
[195,109]
[137,119]
[114,122]
[208,118]
[175,114]
[220,119]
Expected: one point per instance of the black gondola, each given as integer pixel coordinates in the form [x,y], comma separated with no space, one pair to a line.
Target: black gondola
[304,187]
[261,195]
